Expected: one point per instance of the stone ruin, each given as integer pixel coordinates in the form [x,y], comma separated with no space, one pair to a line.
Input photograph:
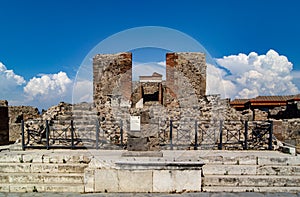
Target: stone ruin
[118,101]
[181,98]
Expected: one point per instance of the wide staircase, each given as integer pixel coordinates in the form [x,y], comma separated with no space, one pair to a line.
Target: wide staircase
[265,171]
[42,172]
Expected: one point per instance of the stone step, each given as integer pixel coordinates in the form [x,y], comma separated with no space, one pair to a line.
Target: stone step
[20,157]
[64,178]
[278,170]
[229,170]
[210,169]
[251,189]
[41,168]
[252,180]
[78,112]
[287,160]
[42,187]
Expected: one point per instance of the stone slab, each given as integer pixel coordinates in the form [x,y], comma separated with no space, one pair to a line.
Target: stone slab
[229,169]
[252,180]
[176,180]
[142,154]
[159,165]
[292,160]
[107,180]
[89,180]
[135,181]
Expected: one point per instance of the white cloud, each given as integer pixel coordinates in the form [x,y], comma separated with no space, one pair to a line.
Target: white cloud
[252,75]
[216,84]
[8,77]
[83,91]
[48,85]
[10,84]
[163,63]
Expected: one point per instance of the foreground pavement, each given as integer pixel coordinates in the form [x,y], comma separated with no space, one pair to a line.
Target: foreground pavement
[243,194]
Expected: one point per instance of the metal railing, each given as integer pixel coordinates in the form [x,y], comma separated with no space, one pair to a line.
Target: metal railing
[196,134]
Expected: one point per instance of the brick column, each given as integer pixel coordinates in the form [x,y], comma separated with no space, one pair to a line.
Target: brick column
[111,71]
[191,66]
[170,70]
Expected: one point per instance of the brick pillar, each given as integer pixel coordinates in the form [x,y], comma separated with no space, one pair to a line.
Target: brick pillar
[111,71]
[160,94]
[125,71]
[170,70]
[191,66]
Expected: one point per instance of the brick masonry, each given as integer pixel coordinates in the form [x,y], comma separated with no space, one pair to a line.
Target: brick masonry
[111,71]
[191,67]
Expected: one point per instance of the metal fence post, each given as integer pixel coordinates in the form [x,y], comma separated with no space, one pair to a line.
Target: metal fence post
[196,135]
[220,145]
[246,136]
[121,132]
[97,134]
[171,127]
[23,136]
[47,135]
[72,135]
[270,143]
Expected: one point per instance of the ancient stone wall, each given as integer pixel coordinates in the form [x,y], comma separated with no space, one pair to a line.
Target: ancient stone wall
[191,66]
[16,115]
[260,115]
[288,131]
[110,72]
[112,88]
[4,123]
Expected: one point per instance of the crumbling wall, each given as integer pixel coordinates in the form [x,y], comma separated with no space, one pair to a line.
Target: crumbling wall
[4,123]
[109,72]
[16,115]
[260,115]
[112,79]
[191,66]
[288,131]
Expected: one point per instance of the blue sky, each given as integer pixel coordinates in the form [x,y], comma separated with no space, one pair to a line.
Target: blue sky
[52,37]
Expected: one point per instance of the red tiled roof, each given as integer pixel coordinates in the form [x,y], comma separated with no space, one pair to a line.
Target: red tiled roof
[272,98]
[239,101]
[265,101]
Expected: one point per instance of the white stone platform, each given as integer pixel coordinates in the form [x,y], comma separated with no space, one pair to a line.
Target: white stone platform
[169,171]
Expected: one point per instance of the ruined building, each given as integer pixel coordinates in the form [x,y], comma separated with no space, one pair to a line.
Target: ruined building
[180,98]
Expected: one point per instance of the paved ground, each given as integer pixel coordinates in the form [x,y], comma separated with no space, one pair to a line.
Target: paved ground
[151,195]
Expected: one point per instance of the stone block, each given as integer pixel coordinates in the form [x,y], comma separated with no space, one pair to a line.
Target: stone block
[137,144]
[229,169]
[289,150]
[89,180]
[135,181]
[176,180]
[278,160]
[107,180]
